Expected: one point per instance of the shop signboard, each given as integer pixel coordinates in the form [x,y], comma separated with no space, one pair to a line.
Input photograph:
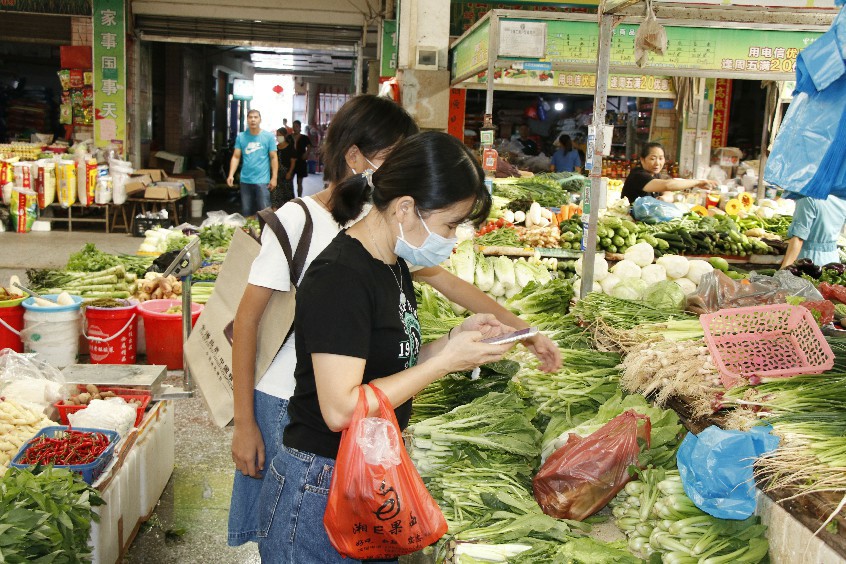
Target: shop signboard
[389,49]
[52,7]
[472,53]
[579,82]
[109,59]
[722,107]
[732,51]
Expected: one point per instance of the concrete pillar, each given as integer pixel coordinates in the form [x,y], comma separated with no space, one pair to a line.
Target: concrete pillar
[422,51]
[311,103]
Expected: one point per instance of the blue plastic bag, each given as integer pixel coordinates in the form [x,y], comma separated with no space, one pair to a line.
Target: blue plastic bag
[652,210]
[807,153]
[716,469]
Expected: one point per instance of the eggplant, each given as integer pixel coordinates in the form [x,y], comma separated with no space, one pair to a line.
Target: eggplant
[806,266]
[837,267]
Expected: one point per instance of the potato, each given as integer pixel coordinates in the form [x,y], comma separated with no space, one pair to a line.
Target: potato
[84,398]
[92,389]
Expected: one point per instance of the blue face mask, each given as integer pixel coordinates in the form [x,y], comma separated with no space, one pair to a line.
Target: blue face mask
[434,250]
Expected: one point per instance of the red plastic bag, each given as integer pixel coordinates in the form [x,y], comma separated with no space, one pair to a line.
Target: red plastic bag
[378,506]
[581,477]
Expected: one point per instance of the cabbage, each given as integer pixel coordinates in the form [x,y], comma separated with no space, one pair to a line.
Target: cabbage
[629,289]
[641,254]
[504,269]
[484,274]
[626,269]
[609,283]
[675,265]
[600,267]
[697,269]
[686,285]
[665,295]
[463,261]
[653,273]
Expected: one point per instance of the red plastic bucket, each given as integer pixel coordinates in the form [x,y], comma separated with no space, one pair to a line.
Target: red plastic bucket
[11,324]
[112,334]
[163,331]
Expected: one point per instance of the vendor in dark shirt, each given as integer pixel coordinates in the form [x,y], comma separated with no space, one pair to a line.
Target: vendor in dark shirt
[646,180]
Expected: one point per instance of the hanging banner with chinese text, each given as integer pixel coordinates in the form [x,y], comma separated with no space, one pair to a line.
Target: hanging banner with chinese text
[457,110]
[722,108]
[110,75]
[389,48]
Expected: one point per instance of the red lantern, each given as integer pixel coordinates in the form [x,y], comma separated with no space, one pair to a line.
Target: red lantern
[278,89]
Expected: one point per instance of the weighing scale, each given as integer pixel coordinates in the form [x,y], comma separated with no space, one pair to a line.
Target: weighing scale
[142,376]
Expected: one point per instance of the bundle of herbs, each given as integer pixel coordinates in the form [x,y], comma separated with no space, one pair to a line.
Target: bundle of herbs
[46,516]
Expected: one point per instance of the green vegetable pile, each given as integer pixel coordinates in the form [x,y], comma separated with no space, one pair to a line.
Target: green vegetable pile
[46,516]
[114,282]
[547,189]
[664,439]
[621,314]
[458,389]
[90,259]
[216,236]
[659,519]
[586,380]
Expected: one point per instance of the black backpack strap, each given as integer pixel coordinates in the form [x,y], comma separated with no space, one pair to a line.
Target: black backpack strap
[296,260]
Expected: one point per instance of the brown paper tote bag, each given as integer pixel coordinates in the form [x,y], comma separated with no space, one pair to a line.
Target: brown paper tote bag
[208,351]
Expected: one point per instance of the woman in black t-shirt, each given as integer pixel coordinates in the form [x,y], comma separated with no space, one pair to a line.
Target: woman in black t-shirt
[646,180]
[356,323]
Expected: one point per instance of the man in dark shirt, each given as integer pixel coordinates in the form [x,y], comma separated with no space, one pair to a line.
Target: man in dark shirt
[300,143]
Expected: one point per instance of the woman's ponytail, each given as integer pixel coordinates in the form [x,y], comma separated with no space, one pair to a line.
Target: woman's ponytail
[349,197]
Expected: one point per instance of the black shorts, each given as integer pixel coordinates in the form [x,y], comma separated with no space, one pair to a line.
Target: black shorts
[301,169]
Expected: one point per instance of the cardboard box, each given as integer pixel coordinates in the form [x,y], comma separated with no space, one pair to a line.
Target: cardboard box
[138,183]
[171,162]
[189,182]
[157,174]
[164,191]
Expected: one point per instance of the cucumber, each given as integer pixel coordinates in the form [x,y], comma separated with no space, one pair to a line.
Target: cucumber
[618,241]
[629,225]
[622,232]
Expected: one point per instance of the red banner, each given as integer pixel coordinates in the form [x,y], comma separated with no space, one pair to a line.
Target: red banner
[457,107]
[722,109]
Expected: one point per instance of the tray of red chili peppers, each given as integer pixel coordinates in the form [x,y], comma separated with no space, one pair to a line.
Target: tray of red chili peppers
[86,451]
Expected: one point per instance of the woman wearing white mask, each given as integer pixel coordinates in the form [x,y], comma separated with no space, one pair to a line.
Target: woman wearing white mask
[362,135]
[356,324]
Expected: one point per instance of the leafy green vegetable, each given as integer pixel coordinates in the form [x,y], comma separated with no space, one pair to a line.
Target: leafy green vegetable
[664,437]
[216,236]
[177,243]
[90,259]
[458,389]
[535,298]
[45,516]
[586,380]
[665,295]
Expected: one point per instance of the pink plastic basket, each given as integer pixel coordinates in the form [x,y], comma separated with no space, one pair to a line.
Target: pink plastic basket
[768,341]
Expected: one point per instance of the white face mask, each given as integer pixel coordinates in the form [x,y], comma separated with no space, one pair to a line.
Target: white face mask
[434,250]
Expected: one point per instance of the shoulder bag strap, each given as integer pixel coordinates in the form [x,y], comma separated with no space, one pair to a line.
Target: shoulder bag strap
[272,220]
[301,254]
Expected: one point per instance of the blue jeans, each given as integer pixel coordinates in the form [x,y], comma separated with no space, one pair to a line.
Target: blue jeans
[294,497]
[272,417]
[254,198]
